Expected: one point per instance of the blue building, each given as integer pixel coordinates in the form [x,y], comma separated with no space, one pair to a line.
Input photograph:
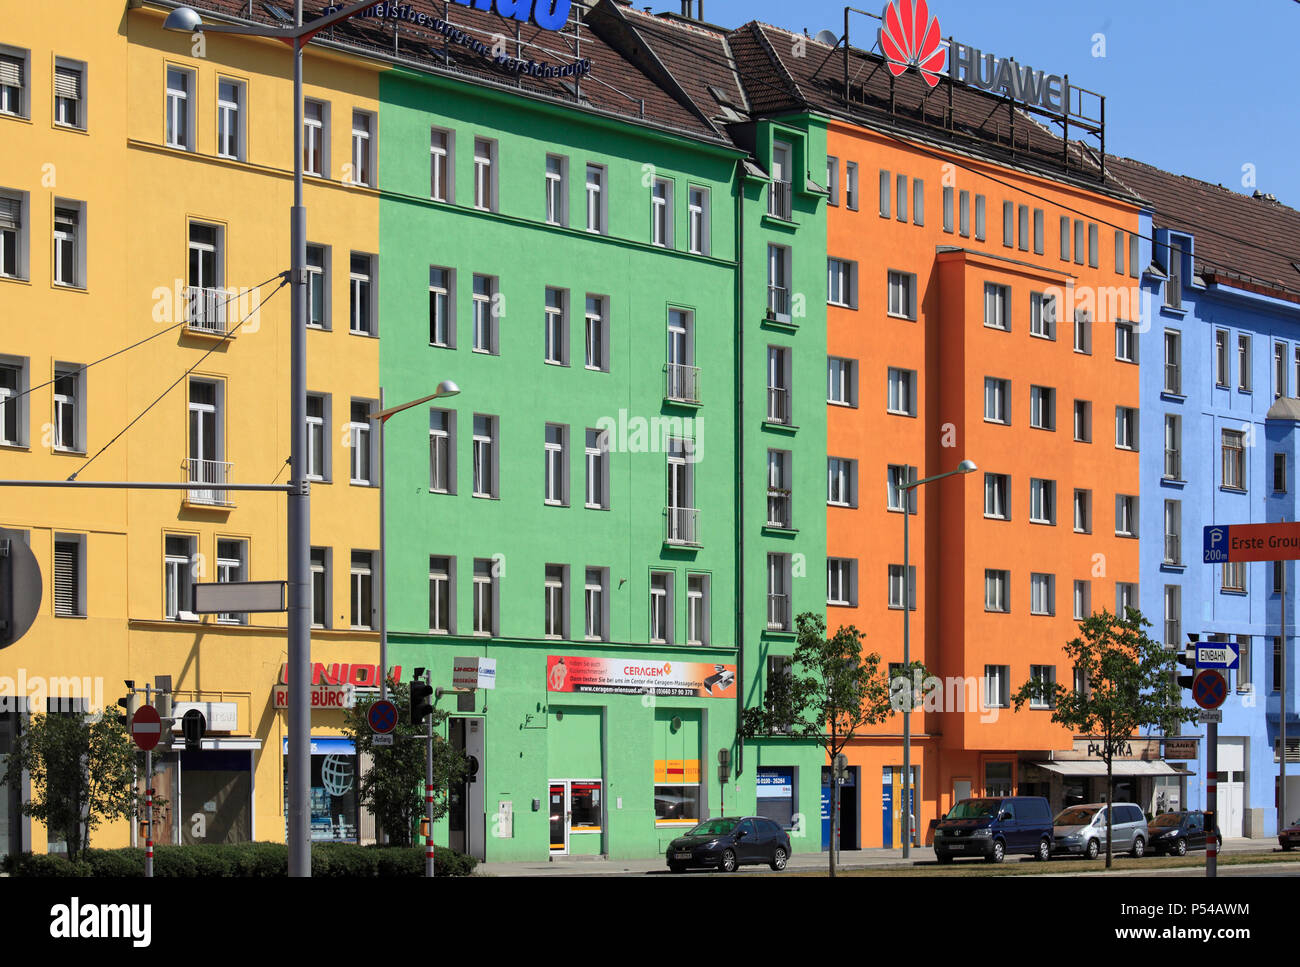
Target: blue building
[1219,347]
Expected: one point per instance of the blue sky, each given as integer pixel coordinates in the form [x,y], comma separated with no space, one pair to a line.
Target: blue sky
[1194,87]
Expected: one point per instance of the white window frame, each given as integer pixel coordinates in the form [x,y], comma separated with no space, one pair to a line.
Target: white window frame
[365,146]
[902,295]
[318,276]
[1082,332]
[841,381]
[597,463]
[901,392]
[1082,600]
[442,164]
[1244,372]
[595,602]
[1173,536]
[75,402]
[997,591]
[1042,316]
[661,607]
[486,598]
[895,598]
[1126,428]
[1082,421]
[557,189]
[363,289]
[841,482]
[315,138]
[555,326]
[555,444]
[841,282]
[1082,511]
[14,402]
[997,306]
[555,583]
[596,333]
[319,438]
[1125,342]
[442,307]
[597,199]
[832,180]
[662,210]
[997,400]
[1046,674]
[232,568]
[486,444]
[70,73]
[14,233]
[178,578]
[231,118]
[1042,501]
[841,582]
[484,317]
[1173,372]
[19,63]
[442,589]
[363,443]
[320,571]
[68,266]
[698,220]
[1042,408]
[179,107]
[1042,594]
[485,174]
[1126,515]
[442,451]
[997,496]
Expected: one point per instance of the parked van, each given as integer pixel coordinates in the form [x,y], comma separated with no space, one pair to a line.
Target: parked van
[1082,829]
[994,827]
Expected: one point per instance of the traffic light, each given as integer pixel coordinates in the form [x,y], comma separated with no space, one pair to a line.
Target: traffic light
[1188,660]
[130,704]
[163,703]
[420,704]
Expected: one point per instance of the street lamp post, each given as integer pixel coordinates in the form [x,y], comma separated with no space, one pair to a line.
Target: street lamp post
[966,466]
[298,833]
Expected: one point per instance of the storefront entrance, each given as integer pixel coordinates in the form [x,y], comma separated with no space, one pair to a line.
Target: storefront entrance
[891,806]
[847,826]
[575,812]
[466,817]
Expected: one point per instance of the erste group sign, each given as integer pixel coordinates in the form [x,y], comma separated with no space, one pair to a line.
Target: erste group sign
[1225,543]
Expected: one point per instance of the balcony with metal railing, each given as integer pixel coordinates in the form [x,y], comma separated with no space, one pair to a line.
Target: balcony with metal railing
[211,477]
[780,200]
[205,310]
[681,383]
[1173,464]
[778,508]
[1173,549]
[778,612]
[682,526]
[778,302]
[778,405]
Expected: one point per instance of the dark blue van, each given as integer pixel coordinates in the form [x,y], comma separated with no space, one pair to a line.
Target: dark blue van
[995,826]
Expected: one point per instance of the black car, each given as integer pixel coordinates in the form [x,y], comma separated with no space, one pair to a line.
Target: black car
[729,843]
[1176,833]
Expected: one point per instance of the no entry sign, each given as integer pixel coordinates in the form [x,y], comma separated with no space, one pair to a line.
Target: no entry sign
[146,727]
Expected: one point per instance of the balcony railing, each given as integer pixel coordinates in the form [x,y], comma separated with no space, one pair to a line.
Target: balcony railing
[682,525]
[778,200]
[778,612]
[205,310]
[778,301]
[778,508]
[1173,549]
[778,405]
[682,383]
[213,475]
[1173,464]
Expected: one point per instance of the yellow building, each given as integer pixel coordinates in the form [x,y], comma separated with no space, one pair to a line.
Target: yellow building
[145,184]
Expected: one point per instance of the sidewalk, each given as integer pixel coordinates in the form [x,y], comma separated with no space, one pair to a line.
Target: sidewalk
[863,859]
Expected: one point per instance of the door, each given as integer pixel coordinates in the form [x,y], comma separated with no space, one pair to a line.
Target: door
[559,818]
[1232,785]
[748,847]
[203,440]
[466,816]
[892,800]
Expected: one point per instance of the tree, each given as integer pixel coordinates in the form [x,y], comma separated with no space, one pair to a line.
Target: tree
[830,690]
[82,770]
[1123,682]
[393,787]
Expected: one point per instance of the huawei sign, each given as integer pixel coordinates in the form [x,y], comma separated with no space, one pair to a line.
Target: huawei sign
[909,37]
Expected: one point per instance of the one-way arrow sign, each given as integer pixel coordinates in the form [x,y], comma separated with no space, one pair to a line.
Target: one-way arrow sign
[1217,655]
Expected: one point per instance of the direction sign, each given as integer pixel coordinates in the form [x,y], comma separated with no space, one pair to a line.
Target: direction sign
[1217,655]
[382,717]
[1251,542]
[1208,716]
[1209,688]
[146,727]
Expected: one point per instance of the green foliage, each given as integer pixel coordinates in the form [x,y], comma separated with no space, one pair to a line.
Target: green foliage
[82,773]
[115,862]
[393,788]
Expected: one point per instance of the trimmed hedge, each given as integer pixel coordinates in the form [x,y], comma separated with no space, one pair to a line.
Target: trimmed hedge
[243,860]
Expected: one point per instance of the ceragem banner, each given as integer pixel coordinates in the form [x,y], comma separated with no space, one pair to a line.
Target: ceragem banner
[640,676]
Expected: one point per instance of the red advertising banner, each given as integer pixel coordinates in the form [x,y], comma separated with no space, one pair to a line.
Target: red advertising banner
[638,676]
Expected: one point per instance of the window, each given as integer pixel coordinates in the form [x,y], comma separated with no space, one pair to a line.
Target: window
[902,392]
[69,93]
[1065,238]
[698,220]
[230,118]
[13,247]
[69,408]
[1173,362]
[851,185]
[1082,421]
[1126,596]
[896,477]
[556,600]
[596,219]
[1082,600]
[556,452]
[900,198]
[320,587]
[661,213]
[1082,511]
[1126,515]
[1297,355]
[232,567]
[485,317]
[997,306]
[841,482]
[441,167]
[206,308]
[597,335]
[13,401]
[1042,594]
[69,248]
[318,287]
[963,214]
[832,180]
[485,456]
[1245,674]
[1008,224]
[1174,286]
[778,283]
[363,148]
[179,113]
[1082,332]
[595,613]
[918,201]
[485,597]
[947,208]
[779,199]
[997,585]
[1022,227]
[361,294]
[1276,679]
[442,451]
[997,687]
[1119,252]
[841,381]
[362,443]
[841,581]
[661,607]
[315,138]
[778,386]
[1039,232]
[1078,242]
[1173,532]
[1279,370]
[1173,447]
[886,191]
[1126,427]
[779,480]
[442,599]
[1173,616]
[597,452]
[681,375]
[997,400]
[1221,375]
[697,609]
[1043,676]
[1042,407]
[902,295]
[682,516]
[442,328]
[556,328]
[1279,465]
[1243,363]
[997,496]
[896,590]
[318,436]
[840,278]
[778,592]
[1094,245]
[1042,501]
[485,174]
[69,575]
[1125,343]
[1279,575]
[1234,460]
[13,82]
[1042,315]
[980,207]
[178,577]
[557,177]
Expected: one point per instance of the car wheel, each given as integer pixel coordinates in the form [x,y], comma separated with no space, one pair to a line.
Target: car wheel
[1180,847]
[676,868]
[728,864]
[1093,849]
[1139,848]
[999,852]
[778,858]
[1044,850]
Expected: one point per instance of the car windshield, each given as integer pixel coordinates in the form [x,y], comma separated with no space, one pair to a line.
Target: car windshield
[1167,819]
[974,809]
[714,827]
[1078,816]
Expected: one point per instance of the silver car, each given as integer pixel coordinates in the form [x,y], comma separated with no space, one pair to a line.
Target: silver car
[1082,829]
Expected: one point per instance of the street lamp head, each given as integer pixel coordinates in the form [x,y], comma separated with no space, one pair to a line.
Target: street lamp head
[447,388]
[184,19]
[967,466]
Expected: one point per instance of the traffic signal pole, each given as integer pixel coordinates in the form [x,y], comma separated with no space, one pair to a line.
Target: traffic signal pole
[428,798]
[1212,800]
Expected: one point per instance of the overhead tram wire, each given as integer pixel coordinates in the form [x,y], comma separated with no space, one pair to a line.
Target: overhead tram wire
[220,342]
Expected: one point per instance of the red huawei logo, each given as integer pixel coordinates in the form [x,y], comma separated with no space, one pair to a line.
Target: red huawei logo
[909,37]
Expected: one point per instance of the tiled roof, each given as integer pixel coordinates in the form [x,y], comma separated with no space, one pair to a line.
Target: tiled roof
[1239,239]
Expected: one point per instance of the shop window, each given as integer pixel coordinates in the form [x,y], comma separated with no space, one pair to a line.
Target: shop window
[584,806]
[334,805]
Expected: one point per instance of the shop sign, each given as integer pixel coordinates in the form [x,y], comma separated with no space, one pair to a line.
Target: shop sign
[639,676]
[343,673]
[1180,749]
[220,716]
[474,673]
[775,783]
[323,697]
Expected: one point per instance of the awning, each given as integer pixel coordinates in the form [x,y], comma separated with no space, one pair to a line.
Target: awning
[1120,767]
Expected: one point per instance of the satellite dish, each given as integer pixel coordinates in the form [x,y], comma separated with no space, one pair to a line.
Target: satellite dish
[829,37]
